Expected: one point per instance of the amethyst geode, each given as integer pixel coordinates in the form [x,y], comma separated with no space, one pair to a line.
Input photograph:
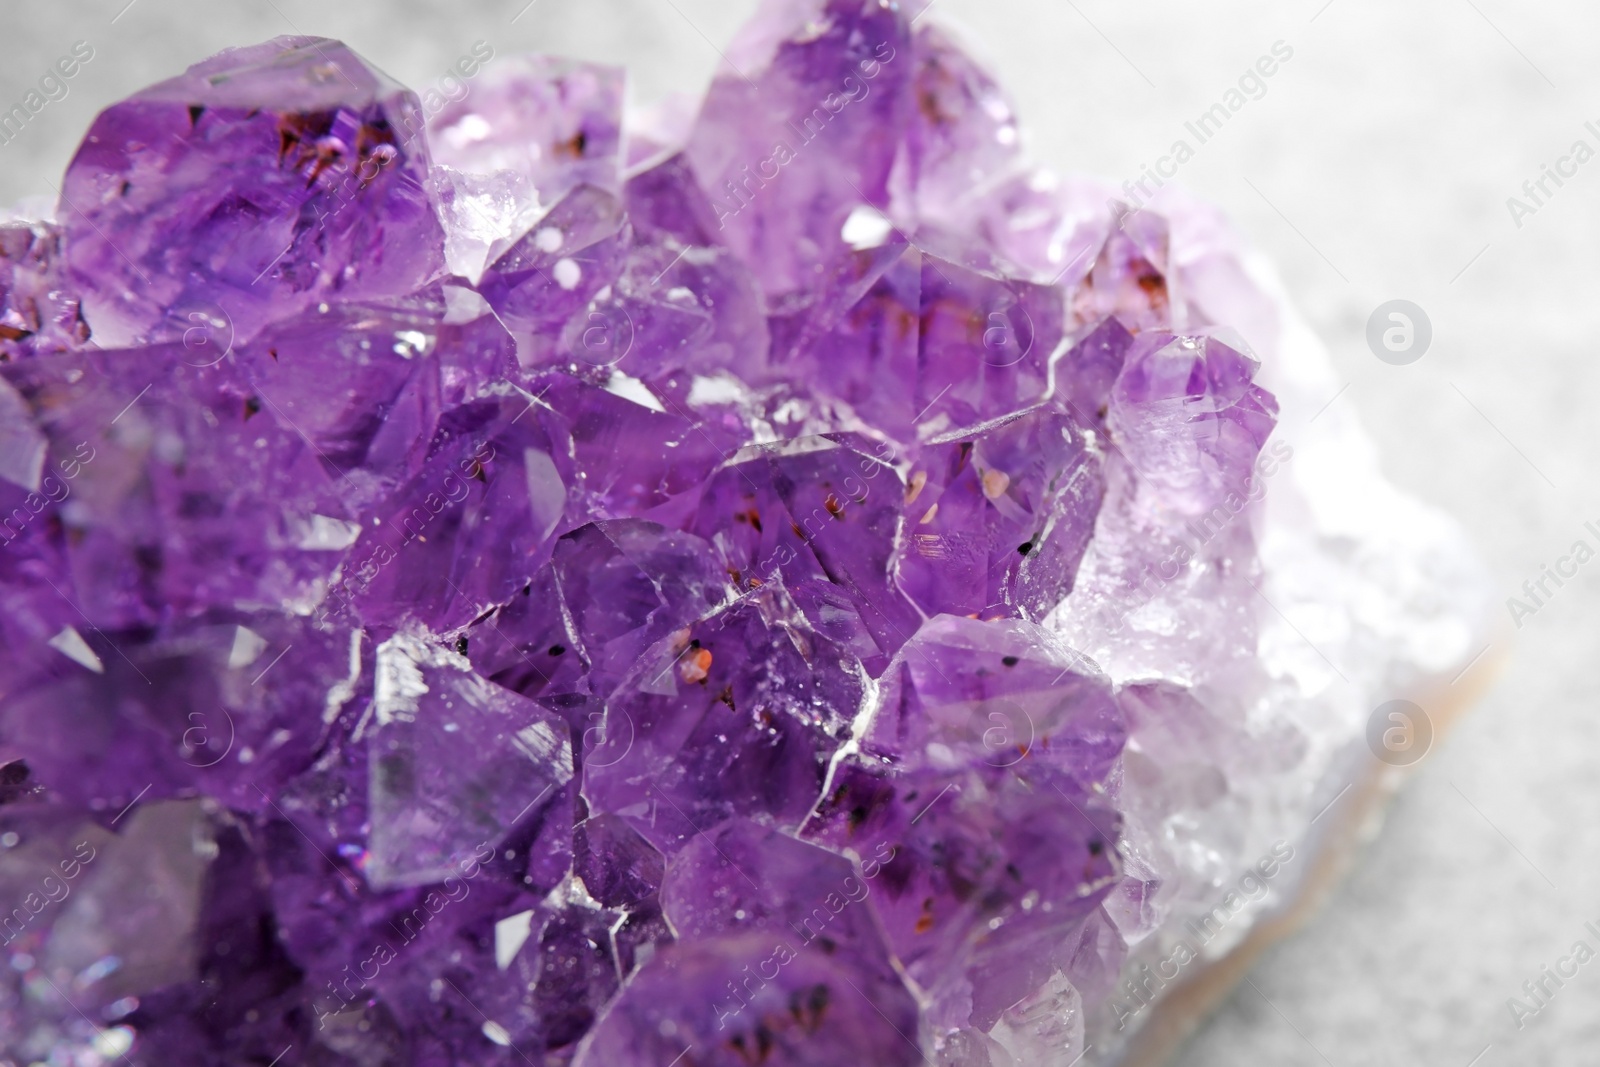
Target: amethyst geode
[511,589]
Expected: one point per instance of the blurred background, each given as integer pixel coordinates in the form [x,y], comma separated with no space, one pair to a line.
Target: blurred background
[1376,166]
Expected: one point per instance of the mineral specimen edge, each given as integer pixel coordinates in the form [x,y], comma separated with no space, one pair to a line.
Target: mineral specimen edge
[490,583]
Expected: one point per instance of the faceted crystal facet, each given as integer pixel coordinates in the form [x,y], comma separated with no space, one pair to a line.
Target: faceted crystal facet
[791,138]
[816,1010]
[555,121]
[457,763]
[739,712]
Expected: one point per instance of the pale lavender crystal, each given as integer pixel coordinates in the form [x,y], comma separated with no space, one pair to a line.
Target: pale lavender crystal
[1193,418]
[538,592]
[812,90]
[962,136]
[555,121]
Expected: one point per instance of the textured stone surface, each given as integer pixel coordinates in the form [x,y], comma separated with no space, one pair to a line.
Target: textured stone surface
[770,606]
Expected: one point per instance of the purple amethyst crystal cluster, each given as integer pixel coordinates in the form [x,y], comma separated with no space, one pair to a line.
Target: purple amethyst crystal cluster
[515,589]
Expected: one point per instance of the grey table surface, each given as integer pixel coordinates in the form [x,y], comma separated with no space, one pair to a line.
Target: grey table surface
[1377,165]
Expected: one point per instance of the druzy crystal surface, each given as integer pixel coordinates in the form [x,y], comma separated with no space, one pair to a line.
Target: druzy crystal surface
[793,584]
